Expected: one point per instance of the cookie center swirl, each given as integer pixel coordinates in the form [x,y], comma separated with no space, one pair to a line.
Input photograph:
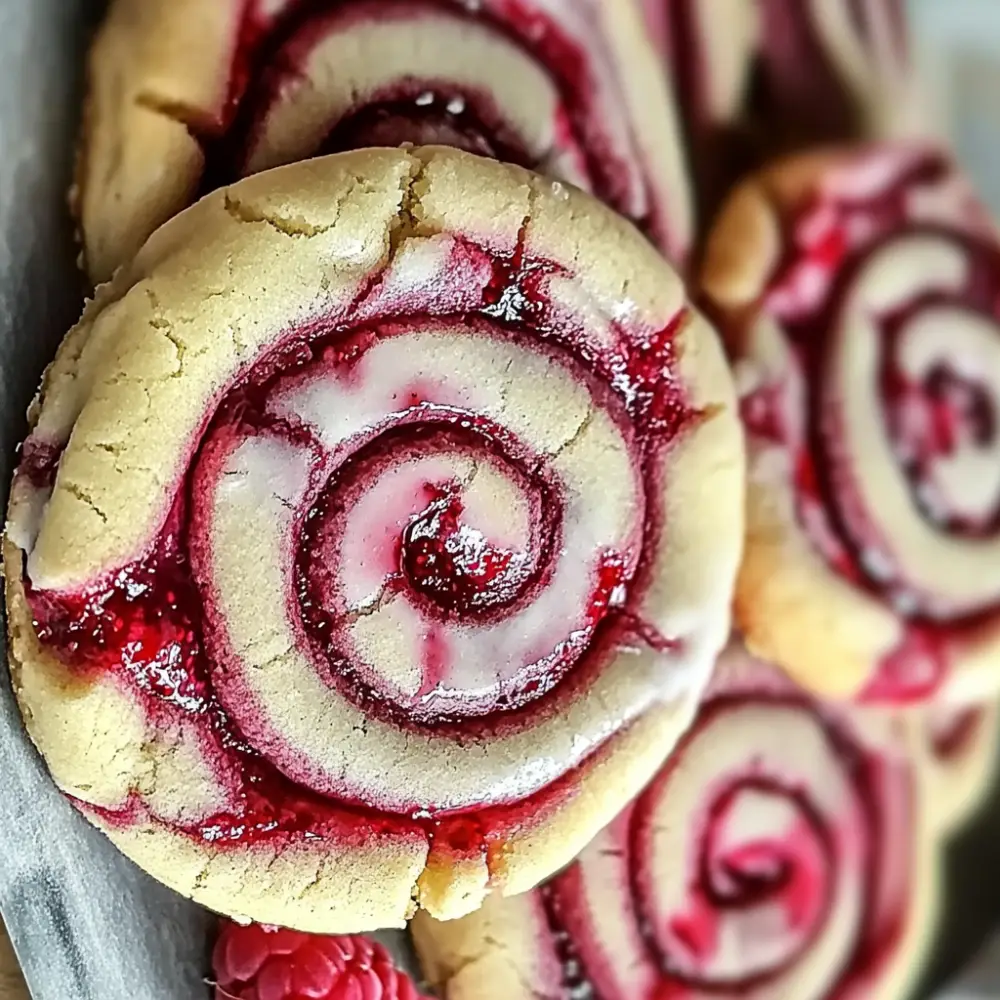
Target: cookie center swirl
[764,860]
[771,883]
[442,557]
[909,425]
[943,423]
[455,565]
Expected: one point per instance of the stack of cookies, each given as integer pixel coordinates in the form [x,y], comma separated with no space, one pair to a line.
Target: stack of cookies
[530,468]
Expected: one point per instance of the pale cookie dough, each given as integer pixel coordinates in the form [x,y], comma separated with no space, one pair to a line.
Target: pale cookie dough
[784,851]
[374,538]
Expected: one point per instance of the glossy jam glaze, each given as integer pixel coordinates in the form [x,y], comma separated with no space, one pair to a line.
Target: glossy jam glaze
[833,240]
[159,628]
[740,872]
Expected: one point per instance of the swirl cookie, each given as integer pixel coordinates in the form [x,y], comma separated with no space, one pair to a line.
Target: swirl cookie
[752,80]
[859,295]
[185,96]
[374,538]
[783,851]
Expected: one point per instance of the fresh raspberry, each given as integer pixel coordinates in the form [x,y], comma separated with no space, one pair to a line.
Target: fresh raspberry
[268,963]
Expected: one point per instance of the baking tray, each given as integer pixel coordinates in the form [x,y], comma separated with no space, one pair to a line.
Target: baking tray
[86,923]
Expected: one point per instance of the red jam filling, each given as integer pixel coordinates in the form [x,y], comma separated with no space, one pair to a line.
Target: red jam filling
[270,52]
[429,114]
[39,462]
[952,736]
[795,872]
[147,625]
[830,239]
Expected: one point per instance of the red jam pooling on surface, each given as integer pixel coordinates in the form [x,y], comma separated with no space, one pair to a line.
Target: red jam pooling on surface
[929,419]
[159,626]
[737,903]
[274,55]
[455,565]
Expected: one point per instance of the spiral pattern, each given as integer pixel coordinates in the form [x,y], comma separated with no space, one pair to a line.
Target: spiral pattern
[186,98]
[861,302]
[744,869]
[364,510]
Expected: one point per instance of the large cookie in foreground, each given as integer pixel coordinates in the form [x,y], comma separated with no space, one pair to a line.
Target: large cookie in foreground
[374,538]
[185,96]
[784,851]
[859,294]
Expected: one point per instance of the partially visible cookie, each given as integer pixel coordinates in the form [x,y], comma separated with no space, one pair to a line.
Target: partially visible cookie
[709,51]
[374,538]
[753,80]
[958,750]
[859,294]
[783,851]
[184,96]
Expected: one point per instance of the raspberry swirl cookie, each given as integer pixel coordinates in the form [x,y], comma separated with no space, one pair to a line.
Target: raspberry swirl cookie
[185,96]
[859,294]
[374,538]
[783,851]
[708,48]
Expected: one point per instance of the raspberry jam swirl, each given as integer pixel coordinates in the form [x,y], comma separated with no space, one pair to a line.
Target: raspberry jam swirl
[566,88]
[779,853]
[866,332]
[386,570]
[708,50]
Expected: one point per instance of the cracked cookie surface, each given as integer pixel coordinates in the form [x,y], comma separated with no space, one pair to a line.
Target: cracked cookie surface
[373,540]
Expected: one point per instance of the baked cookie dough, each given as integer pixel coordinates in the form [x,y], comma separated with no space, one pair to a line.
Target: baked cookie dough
[185,96]
[859,295]
[374,538]
[783,851]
